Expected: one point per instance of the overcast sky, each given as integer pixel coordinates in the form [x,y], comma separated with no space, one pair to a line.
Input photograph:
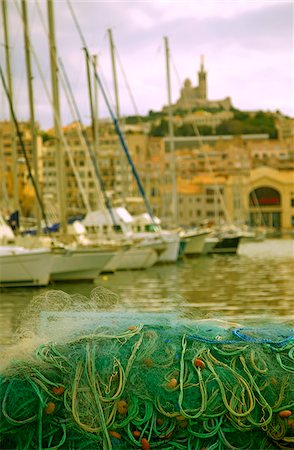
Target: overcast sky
[248,49]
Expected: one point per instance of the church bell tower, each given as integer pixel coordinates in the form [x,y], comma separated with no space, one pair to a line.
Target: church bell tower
[202,85]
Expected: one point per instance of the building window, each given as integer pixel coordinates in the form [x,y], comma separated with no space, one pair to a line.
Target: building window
[265,196]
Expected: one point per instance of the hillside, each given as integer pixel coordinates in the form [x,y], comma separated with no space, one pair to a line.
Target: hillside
[241,122]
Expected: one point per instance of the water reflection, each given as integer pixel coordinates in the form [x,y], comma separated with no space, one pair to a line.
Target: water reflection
[258,282]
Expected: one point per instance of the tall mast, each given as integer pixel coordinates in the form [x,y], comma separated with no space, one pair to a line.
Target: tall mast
[114,120]
[123,165]
[32,109]
[90,96]
[4,194]
[171,140]
[117,111]
[60,166]
[95,112]
[12,125]
[95,106]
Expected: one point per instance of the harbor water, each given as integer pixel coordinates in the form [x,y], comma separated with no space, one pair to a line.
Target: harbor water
[255,284]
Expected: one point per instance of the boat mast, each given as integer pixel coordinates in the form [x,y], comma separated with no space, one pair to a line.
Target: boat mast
[100,202]
[174,215]
[4,193]
[95,107]
[10,90]
[32,110]
[114,120]
[92,107]
[123,166]
[117,109]
[60,166]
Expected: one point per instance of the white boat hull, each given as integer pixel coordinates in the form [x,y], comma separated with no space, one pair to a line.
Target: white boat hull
[194,243]
[171,253]
[23,267]
[209,244]
[167,244]
[79,264]
[134,258]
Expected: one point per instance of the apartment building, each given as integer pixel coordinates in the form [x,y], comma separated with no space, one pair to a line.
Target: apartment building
[214,179]
[278,154]
[214,175]
[110,178]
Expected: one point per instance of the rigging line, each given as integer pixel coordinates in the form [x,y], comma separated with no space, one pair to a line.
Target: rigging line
[64,142]
[127,83]
[84,137]
[102,76]
[261,216]
[176,71]
[114,119]
[19,135]
[197,133]
[106,87]
[67,94]
[14,43]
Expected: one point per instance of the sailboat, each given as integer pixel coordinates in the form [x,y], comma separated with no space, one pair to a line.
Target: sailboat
[6,233]
[24,267]
[102,225]
[193,240]
[70,262]
[140,254]
[20,266]
[224,238]
[145,250]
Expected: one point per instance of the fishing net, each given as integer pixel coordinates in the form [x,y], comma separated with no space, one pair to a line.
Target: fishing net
[96,379]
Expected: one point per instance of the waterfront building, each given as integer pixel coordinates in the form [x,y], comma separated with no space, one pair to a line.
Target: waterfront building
[270,198]
[215,178]
[201,200]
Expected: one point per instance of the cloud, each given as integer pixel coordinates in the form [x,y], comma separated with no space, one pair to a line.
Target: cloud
[248,48]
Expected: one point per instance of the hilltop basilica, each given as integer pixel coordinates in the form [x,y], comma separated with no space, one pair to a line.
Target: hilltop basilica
[196,97]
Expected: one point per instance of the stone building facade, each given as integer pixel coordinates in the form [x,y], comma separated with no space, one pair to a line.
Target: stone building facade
[196,96]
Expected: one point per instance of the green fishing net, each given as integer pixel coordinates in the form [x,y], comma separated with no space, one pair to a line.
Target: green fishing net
[94,379]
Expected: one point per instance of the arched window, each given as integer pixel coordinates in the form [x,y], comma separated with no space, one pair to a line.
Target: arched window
[264,196]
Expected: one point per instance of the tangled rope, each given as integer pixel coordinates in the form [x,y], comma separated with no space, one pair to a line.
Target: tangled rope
[185,386]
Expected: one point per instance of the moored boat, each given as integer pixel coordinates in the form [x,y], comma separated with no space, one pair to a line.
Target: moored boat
[195,241]
[24,267]
[79,263]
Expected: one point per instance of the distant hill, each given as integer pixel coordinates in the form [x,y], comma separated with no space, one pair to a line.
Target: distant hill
[242,122]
